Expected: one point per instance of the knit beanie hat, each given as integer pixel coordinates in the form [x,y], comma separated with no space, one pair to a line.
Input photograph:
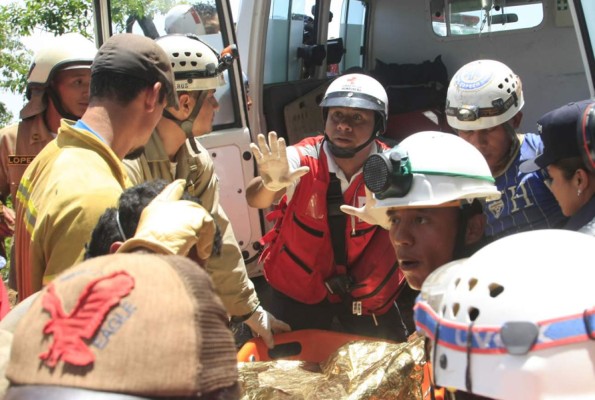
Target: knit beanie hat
[142,325]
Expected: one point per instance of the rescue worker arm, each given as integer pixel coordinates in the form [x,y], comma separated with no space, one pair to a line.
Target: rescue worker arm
[275,172]
[59,238]
[367,213]
[7,215]
[229,276]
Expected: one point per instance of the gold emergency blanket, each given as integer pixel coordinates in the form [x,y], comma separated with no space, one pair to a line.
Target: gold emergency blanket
[356,371]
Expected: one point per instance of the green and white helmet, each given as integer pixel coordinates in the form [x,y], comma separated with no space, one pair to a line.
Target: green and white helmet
[483,94]
[429,169]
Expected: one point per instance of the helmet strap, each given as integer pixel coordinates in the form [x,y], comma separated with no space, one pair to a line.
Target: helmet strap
[350,153]
[58,104]
[186,125]
[514,147]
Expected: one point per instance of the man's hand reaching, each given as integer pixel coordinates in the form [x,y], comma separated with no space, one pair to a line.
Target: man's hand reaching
[272,163]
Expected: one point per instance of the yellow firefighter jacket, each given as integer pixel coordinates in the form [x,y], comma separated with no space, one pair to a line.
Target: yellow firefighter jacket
[64,191]
[228,270]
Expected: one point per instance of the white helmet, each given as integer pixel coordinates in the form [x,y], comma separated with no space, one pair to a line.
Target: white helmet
[483,94]
[514,321]
[184,18]
[195,64]
[358,91]
[428,169]
[69,51]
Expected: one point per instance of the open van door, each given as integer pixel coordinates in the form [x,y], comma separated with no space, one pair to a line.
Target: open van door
[228,144]
[583,15]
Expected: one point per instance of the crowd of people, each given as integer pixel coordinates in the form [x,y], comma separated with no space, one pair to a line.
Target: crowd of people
[124,259]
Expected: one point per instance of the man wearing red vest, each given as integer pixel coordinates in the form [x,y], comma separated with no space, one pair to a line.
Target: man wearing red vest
[329,270]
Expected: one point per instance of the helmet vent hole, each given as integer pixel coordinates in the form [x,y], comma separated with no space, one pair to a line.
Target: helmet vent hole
[473,313]
[495,289]
[506,80]
[508,90]
[183,63]
[455,309]
[198,54]
[472,283]
[457,281]
[194,63]
[501,86]
[176,54]
[187,53]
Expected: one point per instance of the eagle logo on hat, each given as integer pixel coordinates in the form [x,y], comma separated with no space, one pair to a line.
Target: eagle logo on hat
[69,330]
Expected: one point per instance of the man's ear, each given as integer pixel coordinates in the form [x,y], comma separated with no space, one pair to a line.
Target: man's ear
[115,246]
[184,109]
[516,120]
[475,228]
[152,97]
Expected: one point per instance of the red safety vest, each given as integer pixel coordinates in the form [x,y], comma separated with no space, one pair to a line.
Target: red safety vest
[298,255]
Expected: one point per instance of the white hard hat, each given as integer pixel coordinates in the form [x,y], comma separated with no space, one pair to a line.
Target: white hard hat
[438,168]
[358,91]
[68,51]
[516,320]
[184,18]
[195,64]
[483,94]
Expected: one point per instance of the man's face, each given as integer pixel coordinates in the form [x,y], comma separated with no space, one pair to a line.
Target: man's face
[494,143]
[424,239]
[203,123]
[349,127]
[72,87]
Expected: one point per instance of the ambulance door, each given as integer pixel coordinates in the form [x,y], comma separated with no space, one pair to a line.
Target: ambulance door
[291,50]
[228,144]
[583,15]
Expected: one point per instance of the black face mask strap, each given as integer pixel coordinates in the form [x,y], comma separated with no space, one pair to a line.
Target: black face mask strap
[468,383]
[58,104]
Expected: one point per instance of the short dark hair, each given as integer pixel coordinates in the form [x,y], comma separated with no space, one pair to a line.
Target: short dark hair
[120,223]
[121,88]
[569,166]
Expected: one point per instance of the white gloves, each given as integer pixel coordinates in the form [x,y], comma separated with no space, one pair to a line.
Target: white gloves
[272,163]
[264,324]
[373,216]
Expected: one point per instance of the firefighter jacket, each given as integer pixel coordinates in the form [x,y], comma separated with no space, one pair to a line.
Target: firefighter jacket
[227,269]
[299,256]
[64,191]
[19,144]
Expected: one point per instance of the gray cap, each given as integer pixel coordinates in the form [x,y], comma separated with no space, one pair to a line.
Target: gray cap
[137,56]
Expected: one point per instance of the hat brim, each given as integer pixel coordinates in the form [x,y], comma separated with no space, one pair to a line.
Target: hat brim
[539,162]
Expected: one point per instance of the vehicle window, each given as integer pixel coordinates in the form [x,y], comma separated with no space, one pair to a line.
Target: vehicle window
[293,50]
[155,18]
[473,17]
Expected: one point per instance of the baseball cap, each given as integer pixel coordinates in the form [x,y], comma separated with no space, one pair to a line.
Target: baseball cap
[557,129]
[137,56]
[124,325]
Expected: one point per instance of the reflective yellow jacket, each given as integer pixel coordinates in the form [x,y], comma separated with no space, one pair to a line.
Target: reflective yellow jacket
[64,191]
[228,270]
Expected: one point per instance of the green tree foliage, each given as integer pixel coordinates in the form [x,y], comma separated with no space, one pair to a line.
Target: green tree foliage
[5,116]
[23,18]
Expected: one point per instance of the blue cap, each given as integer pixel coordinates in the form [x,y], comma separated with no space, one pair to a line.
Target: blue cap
[558,129]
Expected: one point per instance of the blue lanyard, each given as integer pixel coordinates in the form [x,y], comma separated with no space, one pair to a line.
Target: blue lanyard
[80,124]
